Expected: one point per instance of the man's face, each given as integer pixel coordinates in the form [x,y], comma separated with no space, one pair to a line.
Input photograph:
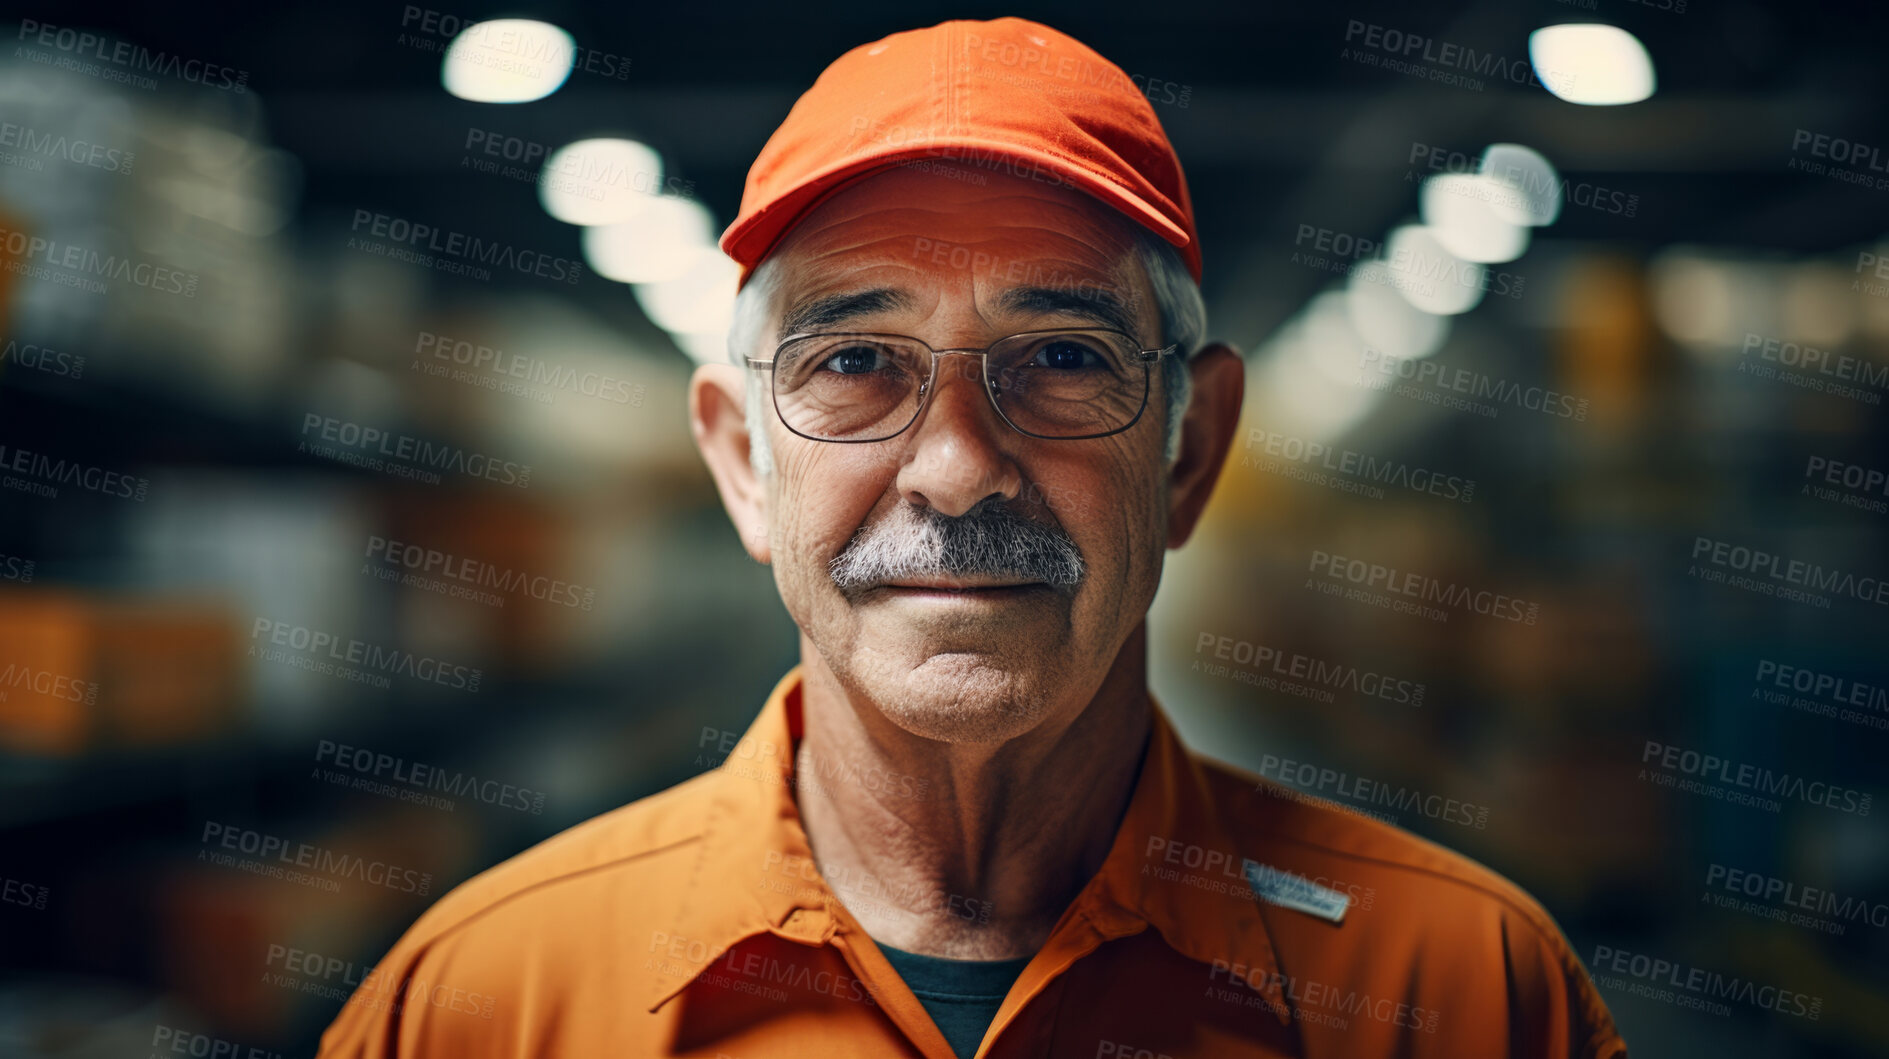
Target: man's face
[976,657]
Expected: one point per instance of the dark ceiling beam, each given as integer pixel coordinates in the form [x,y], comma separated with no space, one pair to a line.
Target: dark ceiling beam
[723,128]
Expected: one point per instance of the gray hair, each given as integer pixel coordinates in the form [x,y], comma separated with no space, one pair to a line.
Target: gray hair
[1177,300]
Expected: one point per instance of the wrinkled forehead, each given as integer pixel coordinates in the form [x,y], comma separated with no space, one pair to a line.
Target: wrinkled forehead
[938,230]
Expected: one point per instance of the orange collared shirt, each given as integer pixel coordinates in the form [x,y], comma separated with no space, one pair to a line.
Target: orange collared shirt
[694,922]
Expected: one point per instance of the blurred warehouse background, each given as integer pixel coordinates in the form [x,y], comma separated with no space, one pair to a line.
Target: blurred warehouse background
[341,414]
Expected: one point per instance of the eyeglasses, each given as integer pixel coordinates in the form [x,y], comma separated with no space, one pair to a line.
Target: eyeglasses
[1063,384]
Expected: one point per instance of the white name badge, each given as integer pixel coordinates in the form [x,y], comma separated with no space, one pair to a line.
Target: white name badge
[1282,888]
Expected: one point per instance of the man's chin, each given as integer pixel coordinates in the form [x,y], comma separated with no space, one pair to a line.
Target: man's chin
[960,696]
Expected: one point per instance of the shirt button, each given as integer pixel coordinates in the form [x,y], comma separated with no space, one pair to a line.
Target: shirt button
[804,924]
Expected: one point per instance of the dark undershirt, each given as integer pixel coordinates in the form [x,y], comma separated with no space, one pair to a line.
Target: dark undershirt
[961,996]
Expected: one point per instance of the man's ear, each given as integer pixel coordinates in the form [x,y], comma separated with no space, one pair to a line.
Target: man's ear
[718,417]
[1219,388]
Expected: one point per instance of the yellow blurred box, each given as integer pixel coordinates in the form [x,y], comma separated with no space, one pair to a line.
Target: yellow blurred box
[79,674]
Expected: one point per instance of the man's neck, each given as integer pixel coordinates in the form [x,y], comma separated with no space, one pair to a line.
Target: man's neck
[969,851]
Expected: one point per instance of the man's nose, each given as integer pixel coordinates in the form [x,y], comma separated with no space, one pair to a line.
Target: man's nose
[958,455]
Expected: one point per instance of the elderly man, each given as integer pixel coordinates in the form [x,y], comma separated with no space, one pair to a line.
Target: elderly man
[971,408]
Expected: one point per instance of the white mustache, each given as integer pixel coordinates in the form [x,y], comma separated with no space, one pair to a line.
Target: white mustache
[988,540]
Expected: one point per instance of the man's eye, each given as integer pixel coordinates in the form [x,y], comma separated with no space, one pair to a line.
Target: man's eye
[1066,356]
[853,360]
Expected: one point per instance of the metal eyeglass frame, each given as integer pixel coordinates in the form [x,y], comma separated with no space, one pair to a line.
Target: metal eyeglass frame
[1144,357]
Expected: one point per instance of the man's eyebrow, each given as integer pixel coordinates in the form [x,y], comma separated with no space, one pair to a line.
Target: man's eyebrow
[1098,305]
[842,308]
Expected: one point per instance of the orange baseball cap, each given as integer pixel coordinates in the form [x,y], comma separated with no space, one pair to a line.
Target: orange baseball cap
[1009,95]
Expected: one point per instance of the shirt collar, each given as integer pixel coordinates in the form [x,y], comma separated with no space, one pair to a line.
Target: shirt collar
[753,842]
[1176,866]
[745,878]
